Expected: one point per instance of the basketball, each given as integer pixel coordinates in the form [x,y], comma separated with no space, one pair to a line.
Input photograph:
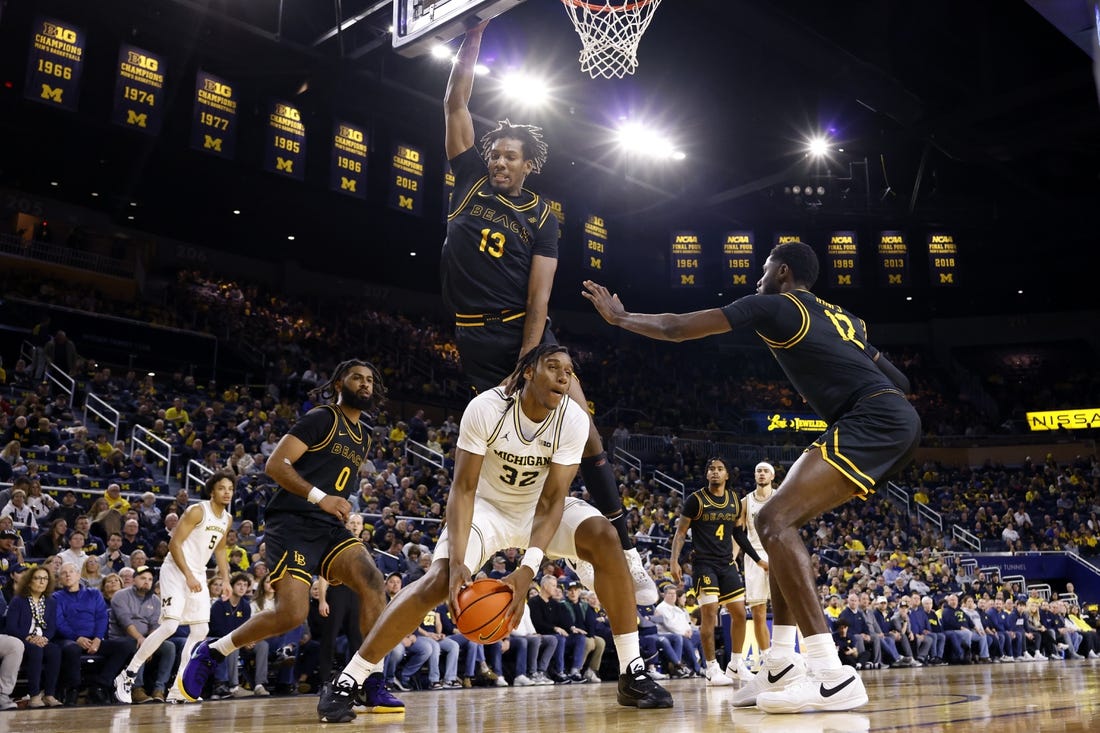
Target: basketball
[481,606]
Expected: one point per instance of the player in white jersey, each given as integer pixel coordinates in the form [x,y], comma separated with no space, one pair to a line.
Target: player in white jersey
[185,598]
[517,453]
[757,590]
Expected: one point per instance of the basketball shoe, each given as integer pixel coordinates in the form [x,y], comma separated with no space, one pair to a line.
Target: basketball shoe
[197,671]
[775,674]
[637,689]
[337,699]
[817,691]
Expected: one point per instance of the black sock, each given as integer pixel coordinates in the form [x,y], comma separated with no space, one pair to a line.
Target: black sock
[599,479]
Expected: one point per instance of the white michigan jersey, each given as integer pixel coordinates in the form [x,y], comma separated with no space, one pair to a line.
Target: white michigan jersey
[518,451]
[200,544]
[752,508]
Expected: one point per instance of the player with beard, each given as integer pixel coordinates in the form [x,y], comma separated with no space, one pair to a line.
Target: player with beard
[315,464]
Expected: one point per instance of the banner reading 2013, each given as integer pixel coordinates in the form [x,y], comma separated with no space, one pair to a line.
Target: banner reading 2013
[214,116]
[139,90]
[893,259]
[55,63]
[286,142]
[685,260]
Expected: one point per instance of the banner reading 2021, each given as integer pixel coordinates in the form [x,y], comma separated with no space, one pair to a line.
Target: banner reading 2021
[55,63]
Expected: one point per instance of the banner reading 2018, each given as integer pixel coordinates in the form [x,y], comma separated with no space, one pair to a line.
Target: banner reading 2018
[942,259]
[55,63]
[286,142]
[139,90]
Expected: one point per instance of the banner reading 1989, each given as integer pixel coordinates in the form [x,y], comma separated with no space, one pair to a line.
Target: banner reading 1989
[942,259]
[738,260]
[595,242]
[55,63]
[286,142]
[843,259]
[893,259]
[349,160]
[685,260]
[406,179]
[214,116]
[139,90]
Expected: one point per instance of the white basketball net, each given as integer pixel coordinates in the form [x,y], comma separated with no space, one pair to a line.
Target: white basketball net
[610,32]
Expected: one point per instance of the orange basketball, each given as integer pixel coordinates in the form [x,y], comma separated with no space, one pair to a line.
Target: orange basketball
[481,606]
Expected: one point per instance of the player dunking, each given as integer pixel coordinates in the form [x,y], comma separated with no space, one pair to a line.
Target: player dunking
[185,598]
[757,589]
[315,465]
[873,431]
[497,268]
[517,452]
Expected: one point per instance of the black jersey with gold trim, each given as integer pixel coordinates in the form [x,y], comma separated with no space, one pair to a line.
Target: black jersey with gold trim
[336,448]
[712,521]
[491,238]
[822,348]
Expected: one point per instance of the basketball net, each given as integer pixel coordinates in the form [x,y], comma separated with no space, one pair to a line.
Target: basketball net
[610,32]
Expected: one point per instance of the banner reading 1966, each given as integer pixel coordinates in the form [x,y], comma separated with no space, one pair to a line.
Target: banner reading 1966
[286,141]
[738,260]
[942,259]
[139,90]
[214,116]
[843,259]
[55,63]
[893,259]
[406,179]
[595,242]
[685,260]
[349,160]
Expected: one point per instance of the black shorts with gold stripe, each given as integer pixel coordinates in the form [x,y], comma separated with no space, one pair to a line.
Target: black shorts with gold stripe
[301,548]
[875,439]
[714,579]
[489,345]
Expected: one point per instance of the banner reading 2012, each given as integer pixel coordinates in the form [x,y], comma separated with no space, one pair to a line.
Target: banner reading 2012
[139,90]
[55,63]
[406,179]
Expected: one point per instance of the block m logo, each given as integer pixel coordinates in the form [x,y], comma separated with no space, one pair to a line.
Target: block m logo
[843,279]
[348,184]
[595,263]
[687,279]
[212,143]
[405,202]
[740,279]
[133,118]
[947,278]
[893,279]
[54,95]
[284,165]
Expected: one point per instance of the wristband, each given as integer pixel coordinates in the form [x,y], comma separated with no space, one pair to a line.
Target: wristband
[315,495]
[532,558]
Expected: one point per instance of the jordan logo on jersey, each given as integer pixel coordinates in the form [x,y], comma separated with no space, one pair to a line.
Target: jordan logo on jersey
[504,438]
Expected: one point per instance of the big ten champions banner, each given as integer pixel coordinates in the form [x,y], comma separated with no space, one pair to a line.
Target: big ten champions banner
[686,260]
[557,208]
[55,63]
[738,260]
[406,179]
[942,259]
[595,243]
[286,141]
[843,259]
[349,160]
[893,259]
[448,188]
[214,116]
[139,90]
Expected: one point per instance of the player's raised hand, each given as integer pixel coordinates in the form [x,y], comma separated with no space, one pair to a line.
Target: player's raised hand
[609,306]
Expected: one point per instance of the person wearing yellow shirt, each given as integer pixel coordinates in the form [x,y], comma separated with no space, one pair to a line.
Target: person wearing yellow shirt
[1090,640]
[177,413]
[853,544]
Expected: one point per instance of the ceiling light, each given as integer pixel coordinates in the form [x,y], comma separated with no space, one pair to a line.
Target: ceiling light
[442,52]
[94,194]
[133,203]
[796,190]
[237,211]
[818,146]
[53,183]
[481,69]
[820,190]
[290,237]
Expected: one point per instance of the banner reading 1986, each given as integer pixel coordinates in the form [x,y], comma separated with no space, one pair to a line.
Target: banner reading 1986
[595,242]
[214,116]
[685,260]
[893,259]
[55,63]
[139,90]
[843,260]
[738,260]
[557,208]
[406,179]
[349,160]
[942,259]
[286,141]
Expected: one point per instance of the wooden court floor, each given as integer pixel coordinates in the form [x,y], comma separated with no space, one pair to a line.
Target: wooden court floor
[1008,698]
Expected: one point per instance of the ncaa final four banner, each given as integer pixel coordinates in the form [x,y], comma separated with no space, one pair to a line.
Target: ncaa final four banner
[739,260]
[943,259]
[349,160]
[893,259]
[685,260]
[214,116]
[595,243]
[406,179]
[843,259]
[139,90]
[55,63]
[286,142]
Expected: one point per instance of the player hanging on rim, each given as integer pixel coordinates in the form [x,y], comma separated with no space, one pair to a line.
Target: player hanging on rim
[757,588]
[497,268]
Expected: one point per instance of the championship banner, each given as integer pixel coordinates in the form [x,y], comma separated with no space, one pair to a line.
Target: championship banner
[942,259]
[55,63]
[349,160]
[448,188]
[286,142]
[843,259]
[685,260]
[738,260]
[406,179]
[893,259]
[139,90]
[786,237]
[557,208]
[214,116]
[799,422]
[595,242]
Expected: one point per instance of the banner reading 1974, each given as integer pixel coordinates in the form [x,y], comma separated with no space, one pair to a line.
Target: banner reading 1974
[139,90]
[55,63]
[214,116]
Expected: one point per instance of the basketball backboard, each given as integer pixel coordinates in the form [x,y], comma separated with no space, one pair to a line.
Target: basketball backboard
[418,25]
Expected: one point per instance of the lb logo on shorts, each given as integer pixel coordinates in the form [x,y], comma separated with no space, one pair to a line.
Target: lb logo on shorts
[299,558]
[707,580]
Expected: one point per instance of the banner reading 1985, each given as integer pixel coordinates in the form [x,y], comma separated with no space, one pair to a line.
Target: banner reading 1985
[406,179]
[214,116]
[893,259]
[738,260]
[139,90]
[349,160]
[595,242]
[686,260]
[286,141]
[843,260]
[55,63]
[942,259]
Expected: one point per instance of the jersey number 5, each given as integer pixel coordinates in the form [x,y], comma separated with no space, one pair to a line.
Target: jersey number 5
[525,479]
[492,242]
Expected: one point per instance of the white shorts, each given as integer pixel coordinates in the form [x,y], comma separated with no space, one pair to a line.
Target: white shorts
[177,602]
[757,589]
[494,529]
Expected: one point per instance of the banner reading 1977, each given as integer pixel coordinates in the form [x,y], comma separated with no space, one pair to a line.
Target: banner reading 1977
[595,242]
[139,90]
[214,116]
[685,260]
[406,179]
[843,259]
[55,63]
[893,259]
[286,141]
[942,259]
[738,260]
[349,160]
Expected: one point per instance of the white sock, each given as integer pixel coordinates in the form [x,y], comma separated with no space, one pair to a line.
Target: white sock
[735,661]
[783,638]
[627,649]
[360,669]
[152,642]
[224,645]
[820,652]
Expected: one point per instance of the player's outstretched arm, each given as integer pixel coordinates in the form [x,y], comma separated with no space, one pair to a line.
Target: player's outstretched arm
[678,539]
[280,467]
[456,101]
[539,285]
[661,326]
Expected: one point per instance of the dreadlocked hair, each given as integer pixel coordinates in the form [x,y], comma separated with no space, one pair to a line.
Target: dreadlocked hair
[530,136]
[328,391]
[516,380]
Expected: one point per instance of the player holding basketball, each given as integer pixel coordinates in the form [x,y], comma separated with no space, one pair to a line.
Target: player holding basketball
[497,268]
[757,589]
[185,598]
[315,464]
[873,431]
[517,453]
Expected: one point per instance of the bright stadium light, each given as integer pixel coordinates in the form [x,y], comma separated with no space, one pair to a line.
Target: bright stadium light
[529,90]
[638,139]
[481,69]
[817,146]
[442,51]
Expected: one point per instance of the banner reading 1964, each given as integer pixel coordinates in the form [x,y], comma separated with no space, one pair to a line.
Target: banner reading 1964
[685,260]
[286,142]
[893,259]
[214,116]
[406,179]
[139,90]
[843,259]
[738,260]
[942,259]
[55,63]
[349,160]
[595,242]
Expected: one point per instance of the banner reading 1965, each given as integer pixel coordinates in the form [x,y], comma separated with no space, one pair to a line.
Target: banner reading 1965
[843,259]
[406,179]
[55,63]
[942,259]
[738,260]
[214,116]
[139,90]
[286,141]
[349,160]
[595,242]
[893,259]
[685,260]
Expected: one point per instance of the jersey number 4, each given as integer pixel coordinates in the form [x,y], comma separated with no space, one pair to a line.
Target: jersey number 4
[525,479]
